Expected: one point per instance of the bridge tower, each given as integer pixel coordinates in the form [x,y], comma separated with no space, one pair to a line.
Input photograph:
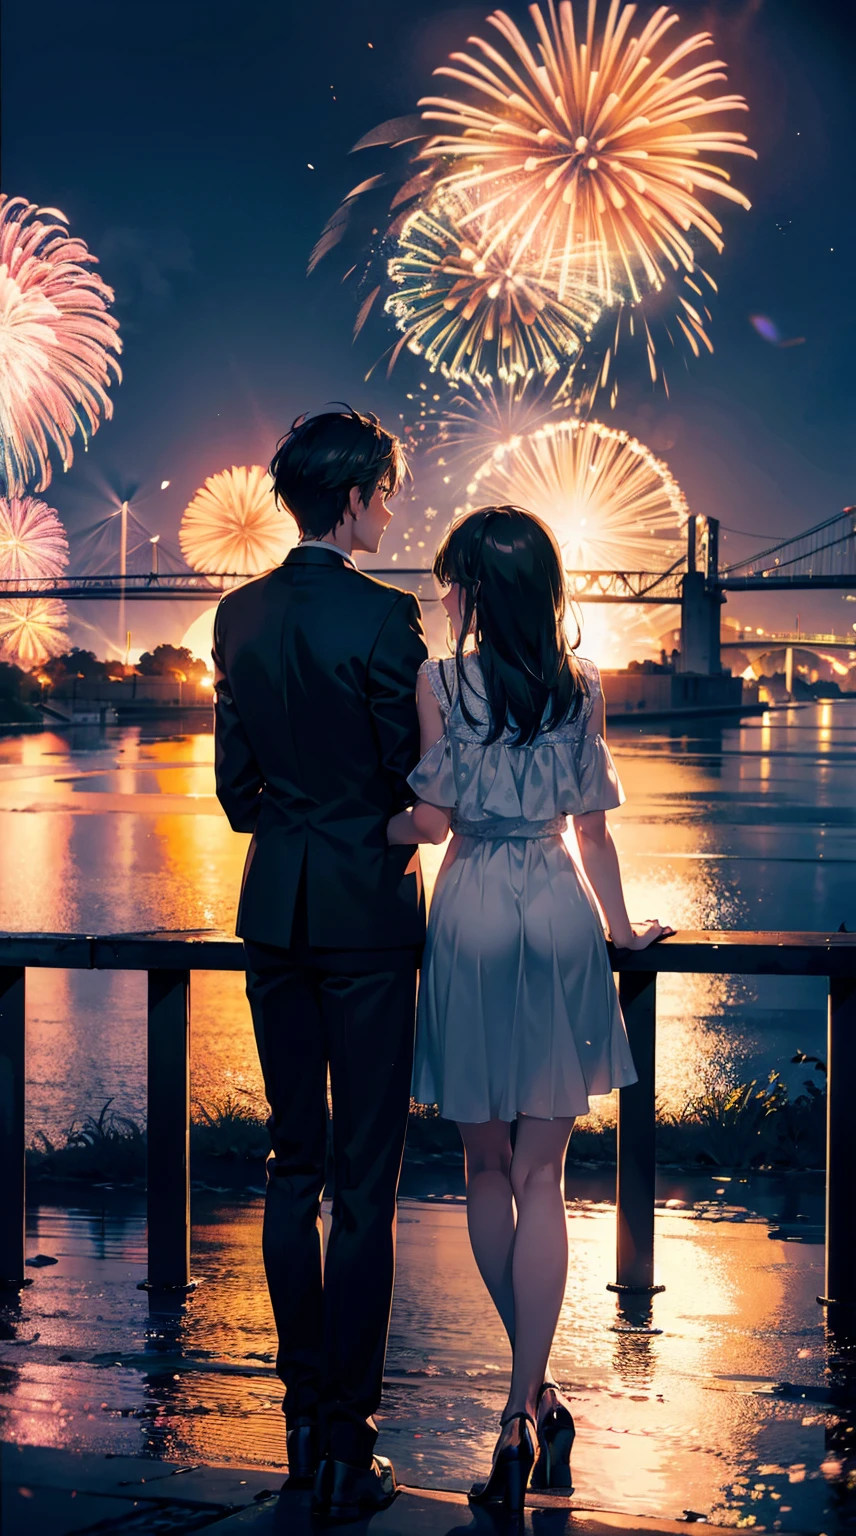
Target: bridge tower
[701,600]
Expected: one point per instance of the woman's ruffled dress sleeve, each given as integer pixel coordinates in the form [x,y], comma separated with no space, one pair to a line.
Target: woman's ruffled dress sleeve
[564,772]
[433,778]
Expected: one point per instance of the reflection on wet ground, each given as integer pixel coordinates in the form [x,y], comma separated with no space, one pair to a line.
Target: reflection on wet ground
[726,1398]
[724,826]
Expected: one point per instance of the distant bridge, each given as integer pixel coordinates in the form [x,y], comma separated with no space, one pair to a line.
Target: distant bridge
[586,586]
[822,558]
[198,588]
[795,639]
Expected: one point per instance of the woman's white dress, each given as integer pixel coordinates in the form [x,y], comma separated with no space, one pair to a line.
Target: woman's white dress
[518,1012]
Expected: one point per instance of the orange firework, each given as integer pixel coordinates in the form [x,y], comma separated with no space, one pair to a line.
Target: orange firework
[233,525]
[611,503]
[32,629]
[602,136]
[473,309]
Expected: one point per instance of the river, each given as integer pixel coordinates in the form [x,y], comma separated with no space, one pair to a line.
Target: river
[748,826]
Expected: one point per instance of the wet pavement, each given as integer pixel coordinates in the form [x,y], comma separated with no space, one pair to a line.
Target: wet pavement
[64,1493]
[726,1399]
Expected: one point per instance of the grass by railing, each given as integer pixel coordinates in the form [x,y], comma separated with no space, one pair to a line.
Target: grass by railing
[745,1125]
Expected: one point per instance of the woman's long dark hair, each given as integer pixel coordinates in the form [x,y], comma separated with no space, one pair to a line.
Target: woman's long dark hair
[508,564]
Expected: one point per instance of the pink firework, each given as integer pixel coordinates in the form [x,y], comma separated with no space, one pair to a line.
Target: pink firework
[33,543]
[57,343]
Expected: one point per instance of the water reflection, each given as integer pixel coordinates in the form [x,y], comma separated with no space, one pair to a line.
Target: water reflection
[742,826]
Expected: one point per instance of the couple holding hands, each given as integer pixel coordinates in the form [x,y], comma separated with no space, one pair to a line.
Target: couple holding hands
[341,746]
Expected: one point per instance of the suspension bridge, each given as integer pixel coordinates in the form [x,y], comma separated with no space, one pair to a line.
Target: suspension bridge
[821,558]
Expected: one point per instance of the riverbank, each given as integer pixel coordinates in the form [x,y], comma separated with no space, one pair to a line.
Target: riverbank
[749,1126]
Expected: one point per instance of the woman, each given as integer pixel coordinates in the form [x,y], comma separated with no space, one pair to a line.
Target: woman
[518,1017]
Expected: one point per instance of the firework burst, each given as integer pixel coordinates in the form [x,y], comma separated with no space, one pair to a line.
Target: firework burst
[57,343]
[233,525]
[463,427]
[31,630]
[590,137]
[610,502]
[33,542]
[475,310]
[676,314]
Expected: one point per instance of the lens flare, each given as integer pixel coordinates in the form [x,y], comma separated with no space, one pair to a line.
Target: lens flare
[604,137]
[32,630]
[610,502]
[33,541]
[233,525]
[57,343]
[477,311]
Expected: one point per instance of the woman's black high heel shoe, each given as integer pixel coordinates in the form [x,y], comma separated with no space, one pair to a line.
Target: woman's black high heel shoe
[556,1433]
[511,1470]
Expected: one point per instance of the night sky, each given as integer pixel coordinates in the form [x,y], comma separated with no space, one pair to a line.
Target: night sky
[178,138]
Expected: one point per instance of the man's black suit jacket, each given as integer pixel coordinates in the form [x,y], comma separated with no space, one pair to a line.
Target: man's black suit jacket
[316,732]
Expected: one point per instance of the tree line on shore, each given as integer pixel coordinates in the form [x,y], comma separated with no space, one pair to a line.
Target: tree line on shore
[22,688]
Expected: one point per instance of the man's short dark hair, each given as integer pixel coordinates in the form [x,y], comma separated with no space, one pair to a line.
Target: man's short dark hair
[322,458]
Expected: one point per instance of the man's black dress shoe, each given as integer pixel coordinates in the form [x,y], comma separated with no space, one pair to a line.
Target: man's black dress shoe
[343,1493]
[301,1441]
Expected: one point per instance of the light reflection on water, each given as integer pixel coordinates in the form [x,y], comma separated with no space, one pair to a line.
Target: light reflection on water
[687,1417]
[725,826]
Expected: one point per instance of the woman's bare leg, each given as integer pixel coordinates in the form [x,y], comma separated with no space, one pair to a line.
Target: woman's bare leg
[490,1211]
[540,1252]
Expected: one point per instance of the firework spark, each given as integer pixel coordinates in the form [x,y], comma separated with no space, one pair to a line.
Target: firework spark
[474,309]
[31,630]
[233,525]
[471,420]
[591,138]
[57,341]
[611,504]
[33,542]
[677,315]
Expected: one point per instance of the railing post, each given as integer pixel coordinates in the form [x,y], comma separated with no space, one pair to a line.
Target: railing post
[840,1288]
[168,1131]
[12,1135]
[634,1195]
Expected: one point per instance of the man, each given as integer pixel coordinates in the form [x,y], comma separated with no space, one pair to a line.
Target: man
[316,732]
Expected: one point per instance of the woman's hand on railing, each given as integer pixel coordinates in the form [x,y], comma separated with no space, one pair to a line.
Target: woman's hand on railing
[641,935]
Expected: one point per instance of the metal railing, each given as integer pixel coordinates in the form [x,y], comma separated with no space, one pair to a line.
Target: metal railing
[169,960]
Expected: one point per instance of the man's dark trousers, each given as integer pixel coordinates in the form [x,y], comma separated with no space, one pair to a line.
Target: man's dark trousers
[354,1012]
[316,731]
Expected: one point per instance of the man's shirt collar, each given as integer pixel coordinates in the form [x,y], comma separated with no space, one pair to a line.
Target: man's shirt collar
[327,544]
